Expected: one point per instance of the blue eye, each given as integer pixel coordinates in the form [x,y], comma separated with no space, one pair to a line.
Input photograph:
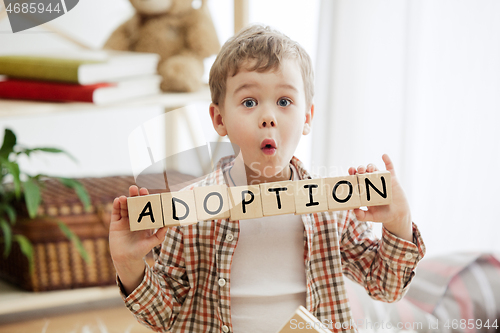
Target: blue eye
[249,103]
[283,102]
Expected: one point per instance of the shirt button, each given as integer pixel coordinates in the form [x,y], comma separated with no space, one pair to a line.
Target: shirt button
[225,329]
[222,282]
[408,256]
[136,307]
[229,237]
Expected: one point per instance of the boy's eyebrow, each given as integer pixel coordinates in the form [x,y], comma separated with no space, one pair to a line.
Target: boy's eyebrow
[245,86]
[251,85]
[288,86]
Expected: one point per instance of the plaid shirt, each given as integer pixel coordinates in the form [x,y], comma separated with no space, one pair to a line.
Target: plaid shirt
[187,290]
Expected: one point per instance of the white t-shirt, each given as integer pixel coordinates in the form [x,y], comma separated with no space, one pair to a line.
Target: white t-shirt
[268,280]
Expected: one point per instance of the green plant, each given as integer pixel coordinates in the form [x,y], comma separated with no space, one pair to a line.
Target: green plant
[18,187]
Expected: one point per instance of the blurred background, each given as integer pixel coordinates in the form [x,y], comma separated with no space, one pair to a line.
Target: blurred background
[418,80]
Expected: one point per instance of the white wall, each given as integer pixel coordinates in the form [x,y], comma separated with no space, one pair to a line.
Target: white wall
[418,80]
[92,136]
[453,116]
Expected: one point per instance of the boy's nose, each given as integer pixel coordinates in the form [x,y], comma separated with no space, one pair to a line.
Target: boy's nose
[268,120]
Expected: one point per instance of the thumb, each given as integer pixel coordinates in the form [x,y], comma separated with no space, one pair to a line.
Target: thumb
[158,237]
[362,215]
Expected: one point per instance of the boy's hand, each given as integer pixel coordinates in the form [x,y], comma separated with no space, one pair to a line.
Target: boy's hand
[128,248]
[396,217]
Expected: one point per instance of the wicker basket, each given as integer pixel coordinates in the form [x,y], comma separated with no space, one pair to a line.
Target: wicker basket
[57,264]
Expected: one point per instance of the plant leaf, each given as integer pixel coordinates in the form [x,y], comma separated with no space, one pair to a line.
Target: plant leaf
[14,170]
[7,236]
[79,189]
[28,151]
[75,240]
[32,196]
[10,211]
[9,141]
[26,249]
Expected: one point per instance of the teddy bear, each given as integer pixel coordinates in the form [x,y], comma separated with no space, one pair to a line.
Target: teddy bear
[180,31]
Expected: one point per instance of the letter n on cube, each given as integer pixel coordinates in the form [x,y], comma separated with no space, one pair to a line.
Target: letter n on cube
[375,188]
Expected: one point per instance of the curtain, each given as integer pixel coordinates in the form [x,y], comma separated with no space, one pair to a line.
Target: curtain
[419,80]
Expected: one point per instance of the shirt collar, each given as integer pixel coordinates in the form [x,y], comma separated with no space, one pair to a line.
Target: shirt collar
[225,163]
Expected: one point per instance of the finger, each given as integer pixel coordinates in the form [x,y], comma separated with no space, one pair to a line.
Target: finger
[116,211]
[371,168]
[352,171]
[143,191]
[388,164]
[160,234]
[133,191]
[361,169]
[360,214]
[123,206]
[155,239]
[363,215]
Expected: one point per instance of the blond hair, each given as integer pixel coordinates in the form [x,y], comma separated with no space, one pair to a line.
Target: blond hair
[266,48]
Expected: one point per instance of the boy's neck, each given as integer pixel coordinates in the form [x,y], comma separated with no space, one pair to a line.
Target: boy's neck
[242,175]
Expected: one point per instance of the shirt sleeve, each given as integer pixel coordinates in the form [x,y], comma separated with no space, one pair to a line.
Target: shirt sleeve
[156,302]
[386,266]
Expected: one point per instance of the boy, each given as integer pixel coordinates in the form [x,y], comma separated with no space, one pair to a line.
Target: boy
[250,275]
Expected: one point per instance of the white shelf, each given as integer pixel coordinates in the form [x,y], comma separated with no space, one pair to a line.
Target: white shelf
[17,108]
[14,300]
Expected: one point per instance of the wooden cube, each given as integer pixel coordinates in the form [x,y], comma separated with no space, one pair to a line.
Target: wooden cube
[179,208]
[310,196]
[277,198]
[245,202]
[211,202]
[144,212]
[375,188]
[342,193]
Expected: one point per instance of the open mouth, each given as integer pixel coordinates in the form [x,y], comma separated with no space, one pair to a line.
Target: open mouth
[268,146]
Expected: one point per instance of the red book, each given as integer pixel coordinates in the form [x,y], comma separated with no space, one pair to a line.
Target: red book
[99,93]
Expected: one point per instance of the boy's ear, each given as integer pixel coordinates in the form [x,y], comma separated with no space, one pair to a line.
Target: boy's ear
[217,119]
[308,120]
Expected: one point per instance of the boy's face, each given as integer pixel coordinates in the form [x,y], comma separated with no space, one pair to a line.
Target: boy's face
[265,114]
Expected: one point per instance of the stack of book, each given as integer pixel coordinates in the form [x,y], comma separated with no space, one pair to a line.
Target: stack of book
[98,77]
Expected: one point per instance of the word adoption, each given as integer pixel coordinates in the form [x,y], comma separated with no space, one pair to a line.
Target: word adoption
[254,201]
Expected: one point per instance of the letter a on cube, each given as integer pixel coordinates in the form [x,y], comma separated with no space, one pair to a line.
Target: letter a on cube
[343,193]
[245,202]
[375,188]
[310,196]
[145,212]
[211,202]
[179,208]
